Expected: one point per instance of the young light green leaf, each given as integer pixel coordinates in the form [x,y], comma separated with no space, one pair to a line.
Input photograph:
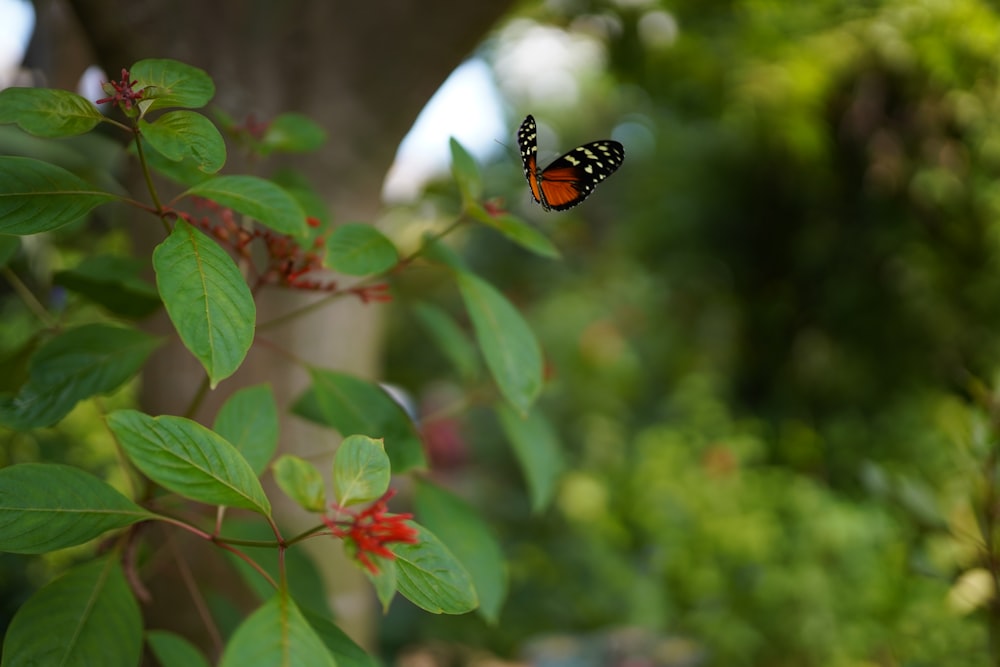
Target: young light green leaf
[360,470]
[510,348]
[75,365]
[255,198]
[466,172]
[301,481]
[292,133]
[248,420]
[384,582]
[472,542]
[276,634]
[49,506]
[206,298]
[169,83]
[538,451]
[518,231]
[360,250]
[172,650]
[450,339]
[48,112]
[36,196]
[113,282]
[180,135]
[346,652]
[86,617]
[185,457]
[430,576]
[352,405]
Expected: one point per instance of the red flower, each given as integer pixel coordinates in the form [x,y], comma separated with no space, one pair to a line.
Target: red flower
[121,92]
[371,529]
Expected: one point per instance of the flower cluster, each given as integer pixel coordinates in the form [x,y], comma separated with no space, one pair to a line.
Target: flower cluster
[371,529]
[122,93]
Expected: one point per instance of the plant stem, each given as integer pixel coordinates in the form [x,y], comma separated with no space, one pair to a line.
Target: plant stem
[29,299]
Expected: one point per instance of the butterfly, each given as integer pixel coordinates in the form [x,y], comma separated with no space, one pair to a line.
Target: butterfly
[570,178]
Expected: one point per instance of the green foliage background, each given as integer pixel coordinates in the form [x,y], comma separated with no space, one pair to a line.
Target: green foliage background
[771,344]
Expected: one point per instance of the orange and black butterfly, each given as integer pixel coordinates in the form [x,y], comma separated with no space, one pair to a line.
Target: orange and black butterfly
[570,178]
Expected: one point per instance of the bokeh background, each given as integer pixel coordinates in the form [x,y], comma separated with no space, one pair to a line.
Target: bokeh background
[771,341]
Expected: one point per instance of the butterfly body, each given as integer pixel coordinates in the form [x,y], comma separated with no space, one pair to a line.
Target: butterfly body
[570,178]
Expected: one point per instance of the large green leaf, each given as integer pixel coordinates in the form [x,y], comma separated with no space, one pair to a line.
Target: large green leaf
[353,406]
[430,576]
[249,421]
[276,634]
[173,650]
[48,112]
[361,470]
[76,364]
[36,196]
[186,135]
[469,538]
[360,250]
[86,617]
[347,653]
[169,83]
[454,343]
[510,348]
[113,282]
[255,198]
[49,506]
[206,298]
[185,457]
[538,451]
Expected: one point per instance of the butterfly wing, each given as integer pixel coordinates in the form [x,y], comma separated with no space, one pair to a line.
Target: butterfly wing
[571,177]
[527,141]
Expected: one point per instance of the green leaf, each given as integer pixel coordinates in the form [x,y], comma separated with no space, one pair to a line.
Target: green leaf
[173,650]
[38,197]
[352,405]
[472,542]
[256,198]
[384,581]
[169,83]
[361,470]
[75,365]
[86,617]
[9,245]
[206,298]
[518,231]
[510,348]
[347,653]
[47,112]
[450,339]
[301,481]
[180,135]
[276,634]
[538,451]
[248,420]
[184,172]
[292,133]
[113,282]
[360,250]
[430,576]
[466,173]
[187,458]
[49,506]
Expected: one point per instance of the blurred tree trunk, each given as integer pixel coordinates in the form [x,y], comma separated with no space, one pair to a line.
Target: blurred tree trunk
[363,71]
